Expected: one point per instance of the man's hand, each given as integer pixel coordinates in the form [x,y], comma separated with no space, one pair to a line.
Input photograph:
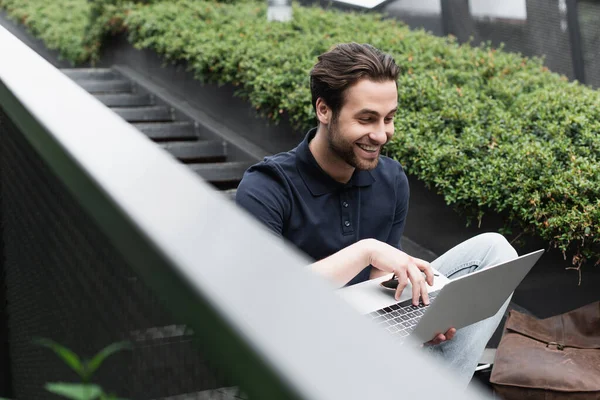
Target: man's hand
[442,337]
[406,268]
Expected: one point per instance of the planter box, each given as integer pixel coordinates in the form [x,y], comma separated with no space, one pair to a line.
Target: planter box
[549,288]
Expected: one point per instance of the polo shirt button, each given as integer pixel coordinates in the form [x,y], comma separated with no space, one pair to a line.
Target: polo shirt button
[347,223]
[345,204]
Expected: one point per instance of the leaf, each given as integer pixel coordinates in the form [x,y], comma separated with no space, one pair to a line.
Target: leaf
[75,391]
[110,397]
[92,365]
[69,357]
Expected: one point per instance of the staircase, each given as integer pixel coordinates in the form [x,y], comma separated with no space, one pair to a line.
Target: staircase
[189,141]
[164,351]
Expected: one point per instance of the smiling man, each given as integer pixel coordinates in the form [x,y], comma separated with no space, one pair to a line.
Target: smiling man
[344,204]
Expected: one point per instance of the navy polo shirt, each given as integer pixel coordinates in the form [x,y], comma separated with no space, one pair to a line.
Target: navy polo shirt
[296,199]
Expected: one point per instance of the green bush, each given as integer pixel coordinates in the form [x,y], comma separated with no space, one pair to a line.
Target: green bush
[61,24]
[105,19]
[489,130]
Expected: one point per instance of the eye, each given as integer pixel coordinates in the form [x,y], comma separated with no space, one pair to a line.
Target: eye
[389,120]
[365,120]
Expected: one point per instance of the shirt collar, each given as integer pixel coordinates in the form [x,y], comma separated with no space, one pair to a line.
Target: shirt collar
[317,180]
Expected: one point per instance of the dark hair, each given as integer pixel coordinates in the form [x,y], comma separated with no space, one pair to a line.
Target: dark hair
[345,64]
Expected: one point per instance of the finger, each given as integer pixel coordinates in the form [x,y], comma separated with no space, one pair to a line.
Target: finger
[420,263]
[426,268]
[416,292]
[424,293]
[429,276]
[402,282]
[438,339]
[416,279]
[450,333]
[428,272]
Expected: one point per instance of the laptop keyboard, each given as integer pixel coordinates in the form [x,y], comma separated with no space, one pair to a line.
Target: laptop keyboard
[401,318]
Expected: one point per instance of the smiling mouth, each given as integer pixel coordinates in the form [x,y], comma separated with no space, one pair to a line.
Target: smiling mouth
[368,149]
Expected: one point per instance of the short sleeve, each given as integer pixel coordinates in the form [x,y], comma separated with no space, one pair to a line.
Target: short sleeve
[262,192]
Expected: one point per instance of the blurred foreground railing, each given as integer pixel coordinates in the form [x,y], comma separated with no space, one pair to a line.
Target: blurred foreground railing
[108,238]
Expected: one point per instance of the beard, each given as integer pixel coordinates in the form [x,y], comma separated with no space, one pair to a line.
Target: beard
[345,150]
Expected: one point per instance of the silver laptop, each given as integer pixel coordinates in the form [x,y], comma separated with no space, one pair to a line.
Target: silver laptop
[453,303]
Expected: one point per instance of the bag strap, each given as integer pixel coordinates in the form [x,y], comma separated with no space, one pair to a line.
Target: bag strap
[579,328]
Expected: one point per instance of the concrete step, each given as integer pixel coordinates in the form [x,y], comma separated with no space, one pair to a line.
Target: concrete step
[197,152]
[161,334]
[221,173]
[106,86]
[125,100]
[224,393]
[161,132]
[81,74]
[145,114]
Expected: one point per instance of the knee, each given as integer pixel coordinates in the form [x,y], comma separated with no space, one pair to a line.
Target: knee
[498,244]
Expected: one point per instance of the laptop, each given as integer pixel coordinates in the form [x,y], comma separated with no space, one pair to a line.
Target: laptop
[453,303]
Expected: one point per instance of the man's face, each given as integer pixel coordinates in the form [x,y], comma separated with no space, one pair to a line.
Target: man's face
[364,124]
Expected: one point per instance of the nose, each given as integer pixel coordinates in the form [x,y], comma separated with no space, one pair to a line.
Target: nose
[379,135]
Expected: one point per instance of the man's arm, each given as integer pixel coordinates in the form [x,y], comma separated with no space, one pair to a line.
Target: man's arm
[343,265]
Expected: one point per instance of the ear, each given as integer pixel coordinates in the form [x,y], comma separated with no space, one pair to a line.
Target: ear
[323,111]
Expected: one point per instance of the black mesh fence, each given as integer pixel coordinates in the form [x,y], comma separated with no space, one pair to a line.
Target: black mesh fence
[541,30]
[589,22]
[544,33]
[63,280]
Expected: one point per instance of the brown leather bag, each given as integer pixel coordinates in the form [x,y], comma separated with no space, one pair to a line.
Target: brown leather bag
[552,358]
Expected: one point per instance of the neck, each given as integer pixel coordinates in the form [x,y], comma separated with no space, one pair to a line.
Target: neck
[329,162]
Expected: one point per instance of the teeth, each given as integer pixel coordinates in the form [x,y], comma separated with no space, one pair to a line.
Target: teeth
[368,148]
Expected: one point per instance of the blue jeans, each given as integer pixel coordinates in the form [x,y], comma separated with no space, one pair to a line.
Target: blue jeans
[462,353]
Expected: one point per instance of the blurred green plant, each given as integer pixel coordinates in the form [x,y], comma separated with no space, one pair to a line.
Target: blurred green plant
[84,368]
[491,131]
